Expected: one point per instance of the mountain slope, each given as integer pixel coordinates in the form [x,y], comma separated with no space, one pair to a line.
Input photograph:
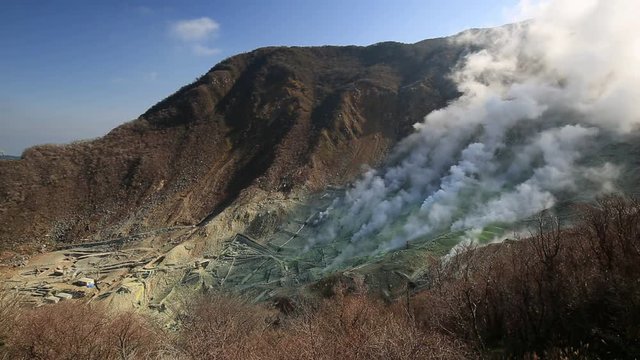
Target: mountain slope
[278,120]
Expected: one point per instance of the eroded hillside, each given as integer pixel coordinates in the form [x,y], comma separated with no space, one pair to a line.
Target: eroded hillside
[275,121]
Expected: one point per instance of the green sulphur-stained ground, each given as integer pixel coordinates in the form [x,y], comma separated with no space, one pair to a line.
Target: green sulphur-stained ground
[263,268]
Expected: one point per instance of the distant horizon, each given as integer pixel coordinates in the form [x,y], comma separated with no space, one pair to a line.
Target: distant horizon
[76,72]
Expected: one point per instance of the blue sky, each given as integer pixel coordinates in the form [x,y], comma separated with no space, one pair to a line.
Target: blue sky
[75,69]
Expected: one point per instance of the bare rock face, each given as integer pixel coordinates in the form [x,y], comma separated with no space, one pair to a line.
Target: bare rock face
[275,120]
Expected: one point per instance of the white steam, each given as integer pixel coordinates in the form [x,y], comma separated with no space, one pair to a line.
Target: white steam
[539,100]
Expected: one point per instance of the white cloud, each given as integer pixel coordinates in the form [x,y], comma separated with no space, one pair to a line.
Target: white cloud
[195,29]
[203,50]
[196,33]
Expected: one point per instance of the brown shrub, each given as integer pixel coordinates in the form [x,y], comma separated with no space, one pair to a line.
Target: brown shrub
[345,327]
[559,289]
[220,327]
[360,327]
[70,330]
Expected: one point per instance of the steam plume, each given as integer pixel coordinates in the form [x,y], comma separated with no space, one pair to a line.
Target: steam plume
[541,99]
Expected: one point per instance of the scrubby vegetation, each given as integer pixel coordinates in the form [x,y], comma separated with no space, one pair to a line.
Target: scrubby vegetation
[560,293]
[346,327]
[215,327]
[77,331]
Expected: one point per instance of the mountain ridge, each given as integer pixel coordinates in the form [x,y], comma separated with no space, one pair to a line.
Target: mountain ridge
[279,119]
